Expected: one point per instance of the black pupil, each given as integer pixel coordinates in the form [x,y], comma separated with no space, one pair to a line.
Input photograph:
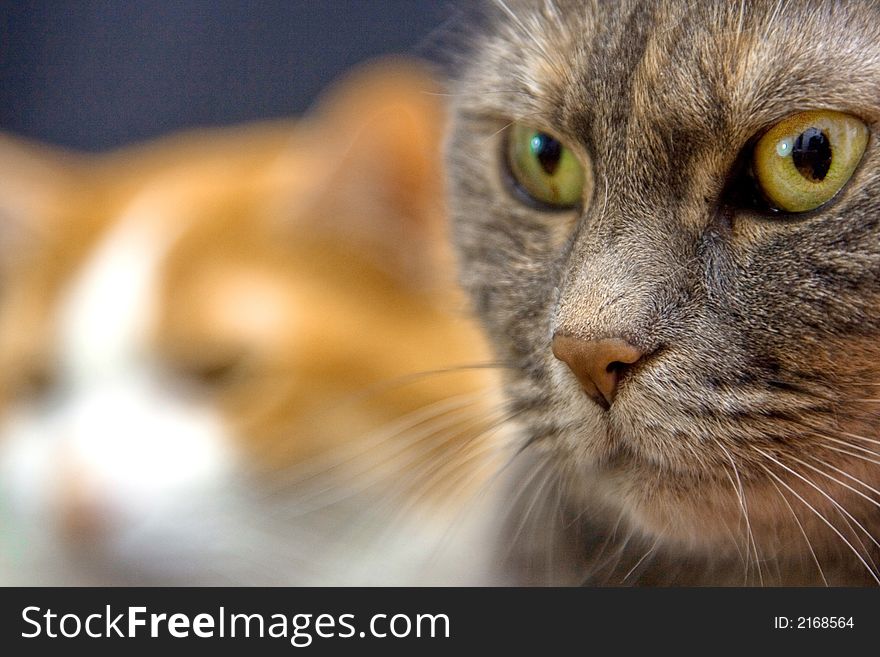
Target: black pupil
[548,151]
[812,154]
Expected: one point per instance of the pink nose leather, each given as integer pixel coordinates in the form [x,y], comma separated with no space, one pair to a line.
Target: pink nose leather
[597,364]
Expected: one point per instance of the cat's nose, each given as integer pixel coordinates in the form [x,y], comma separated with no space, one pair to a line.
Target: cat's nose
[82,518]
[597,364]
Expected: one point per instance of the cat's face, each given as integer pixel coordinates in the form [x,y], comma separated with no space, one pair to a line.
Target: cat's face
[200,315]
[751,358]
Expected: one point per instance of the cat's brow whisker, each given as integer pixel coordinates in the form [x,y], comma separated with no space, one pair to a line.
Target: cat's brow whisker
[525,31]
[433,40]
[498,132]
[824,520]
[607,187]
[508,124]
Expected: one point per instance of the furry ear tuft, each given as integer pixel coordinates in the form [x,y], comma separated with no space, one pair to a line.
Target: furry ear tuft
[33,180]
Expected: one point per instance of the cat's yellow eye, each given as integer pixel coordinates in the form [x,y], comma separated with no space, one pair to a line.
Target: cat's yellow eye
[544,168]
[805,160]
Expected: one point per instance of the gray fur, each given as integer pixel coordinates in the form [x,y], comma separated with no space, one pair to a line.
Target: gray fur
[764,332]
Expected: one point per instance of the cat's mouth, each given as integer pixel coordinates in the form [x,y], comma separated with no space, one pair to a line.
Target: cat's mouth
[636,419]
[633,442]
[629,455]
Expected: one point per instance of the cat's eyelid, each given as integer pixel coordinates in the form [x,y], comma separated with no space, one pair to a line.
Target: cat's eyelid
[774,120]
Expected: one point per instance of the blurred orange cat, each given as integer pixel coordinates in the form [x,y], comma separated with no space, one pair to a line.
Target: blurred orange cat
[216,350]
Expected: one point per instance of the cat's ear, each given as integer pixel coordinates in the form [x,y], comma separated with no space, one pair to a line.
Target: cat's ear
[382,128]
[32,180]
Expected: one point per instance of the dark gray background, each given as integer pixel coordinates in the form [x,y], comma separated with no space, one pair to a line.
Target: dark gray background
[94,74]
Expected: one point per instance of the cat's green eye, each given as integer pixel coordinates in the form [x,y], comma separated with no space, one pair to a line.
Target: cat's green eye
[803,161]
[544,168]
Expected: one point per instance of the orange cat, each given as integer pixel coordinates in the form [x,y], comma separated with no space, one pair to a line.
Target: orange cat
[216,352]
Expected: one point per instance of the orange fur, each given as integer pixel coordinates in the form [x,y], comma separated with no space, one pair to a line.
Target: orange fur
[308,282]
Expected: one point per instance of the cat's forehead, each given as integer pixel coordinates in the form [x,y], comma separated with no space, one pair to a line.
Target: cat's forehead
[588,68]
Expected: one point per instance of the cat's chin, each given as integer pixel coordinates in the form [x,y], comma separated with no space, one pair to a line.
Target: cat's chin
[720,518]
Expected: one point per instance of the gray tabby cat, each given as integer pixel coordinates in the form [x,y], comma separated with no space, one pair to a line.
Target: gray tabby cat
[666,214]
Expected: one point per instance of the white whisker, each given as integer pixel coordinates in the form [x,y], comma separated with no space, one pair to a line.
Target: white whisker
[858,437]
[838,481]
[742,500]
[375,473]
[861,457]
[821,492]
[851,446]
[826,521]
[354,449]
[803,532]
[644,556]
